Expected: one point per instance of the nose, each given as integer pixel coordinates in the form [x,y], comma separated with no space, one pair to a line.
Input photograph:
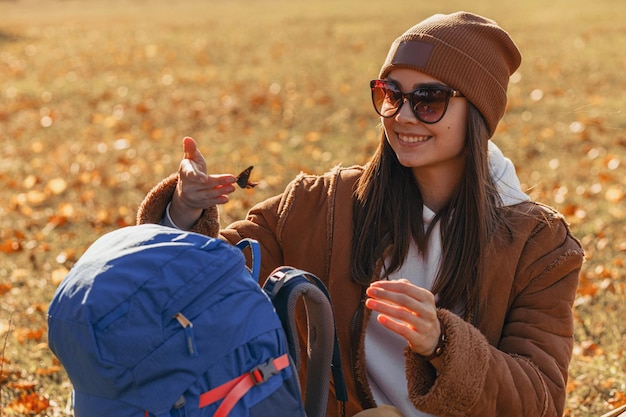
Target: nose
[405,114]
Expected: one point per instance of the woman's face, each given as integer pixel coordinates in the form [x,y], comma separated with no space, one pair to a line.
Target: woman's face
[429,149]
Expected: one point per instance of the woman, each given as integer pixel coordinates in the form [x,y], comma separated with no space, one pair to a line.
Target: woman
[452,291]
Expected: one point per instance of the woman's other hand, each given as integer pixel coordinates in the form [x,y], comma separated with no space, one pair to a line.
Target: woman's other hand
[407,310]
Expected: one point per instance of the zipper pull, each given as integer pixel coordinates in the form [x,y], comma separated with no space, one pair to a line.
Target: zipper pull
[188,329]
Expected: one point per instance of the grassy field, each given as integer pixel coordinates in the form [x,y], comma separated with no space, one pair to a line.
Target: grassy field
[95,97]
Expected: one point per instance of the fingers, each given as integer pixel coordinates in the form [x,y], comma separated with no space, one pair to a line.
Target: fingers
[408,311]
[191,151]
[193,163]
[189,148]
[205,191]
[403,293]
[193,169]
[217,188]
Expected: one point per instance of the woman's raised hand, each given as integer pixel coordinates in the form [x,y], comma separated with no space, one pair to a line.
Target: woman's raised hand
[196,190]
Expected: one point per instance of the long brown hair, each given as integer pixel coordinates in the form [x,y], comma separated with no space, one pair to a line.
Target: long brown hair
[388,214]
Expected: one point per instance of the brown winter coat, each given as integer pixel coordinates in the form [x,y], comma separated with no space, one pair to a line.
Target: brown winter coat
[512,361]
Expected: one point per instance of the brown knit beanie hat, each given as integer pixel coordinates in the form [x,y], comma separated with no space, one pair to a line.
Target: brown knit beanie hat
[468,52]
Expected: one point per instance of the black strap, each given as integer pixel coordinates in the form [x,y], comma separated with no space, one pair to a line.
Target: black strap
[283,286]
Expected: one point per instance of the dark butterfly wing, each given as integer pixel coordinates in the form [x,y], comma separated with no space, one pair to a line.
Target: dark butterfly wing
[243,179]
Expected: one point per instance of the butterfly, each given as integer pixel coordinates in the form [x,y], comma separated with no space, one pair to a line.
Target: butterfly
[243,179]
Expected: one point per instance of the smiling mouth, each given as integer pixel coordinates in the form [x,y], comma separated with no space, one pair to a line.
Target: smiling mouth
[413,139]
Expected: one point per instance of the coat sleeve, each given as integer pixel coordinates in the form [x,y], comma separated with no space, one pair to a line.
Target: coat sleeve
[152,208]
[526,373]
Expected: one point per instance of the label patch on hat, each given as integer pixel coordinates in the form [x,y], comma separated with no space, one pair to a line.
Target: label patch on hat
[413,53]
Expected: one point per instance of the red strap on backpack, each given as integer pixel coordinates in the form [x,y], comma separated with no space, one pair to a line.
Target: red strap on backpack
[233,390]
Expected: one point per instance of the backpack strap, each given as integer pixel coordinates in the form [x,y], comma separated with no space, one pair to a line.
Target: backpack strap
[284,287]
[233,390]
[255,248]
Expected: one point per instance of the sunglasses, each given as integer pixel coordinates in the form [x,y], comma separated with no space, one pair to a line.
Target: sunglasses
[429,104]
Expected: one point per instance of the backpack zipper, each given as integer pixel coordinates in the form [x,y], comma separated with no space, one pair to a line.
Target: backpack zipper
[187,326]
[193,305]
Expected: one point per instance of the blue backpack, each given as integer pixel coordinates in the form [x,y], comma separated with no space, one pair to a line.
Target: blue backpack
[154,321]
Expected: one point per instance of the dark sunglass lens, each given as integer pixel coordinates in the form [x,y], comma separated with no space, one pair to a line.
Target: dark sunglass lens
[386,98]
[429,105]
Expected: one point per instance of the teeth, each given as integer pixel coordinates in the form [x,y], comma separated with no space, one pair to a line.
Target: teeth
[413,139]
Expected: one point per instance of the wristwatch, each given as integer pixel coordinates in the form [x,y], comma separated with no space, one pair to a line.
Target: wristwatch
[440,346]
